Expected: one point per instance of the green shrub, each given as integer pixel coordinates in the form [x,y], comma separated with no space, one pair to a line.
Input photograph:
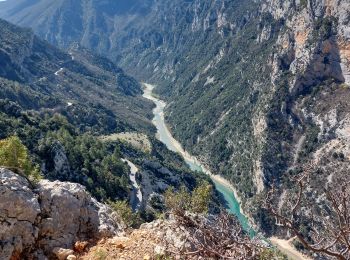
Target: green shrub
[177,201]
[201,197]
[15,156]
[124,211]
[197,202]
[268,254]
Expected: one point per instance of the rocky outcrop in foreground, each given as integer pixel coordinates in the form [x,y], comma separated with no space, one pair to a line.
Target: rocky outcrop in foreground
[151,241]
[43,222]
[188,236]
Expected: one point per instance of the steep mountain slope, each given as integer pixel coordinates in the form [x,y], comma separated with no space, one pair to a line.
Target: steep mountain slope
[63,105]
[80,79]
[55,102]
[256,89]
[88,22]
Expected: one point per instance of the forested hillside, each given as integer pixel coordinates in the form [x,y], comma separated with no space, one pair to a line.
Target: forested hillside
[63,105]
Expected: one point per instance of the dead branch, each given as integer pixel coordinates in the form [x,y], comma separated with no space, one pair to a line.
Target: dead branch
[330,234]
[217,237]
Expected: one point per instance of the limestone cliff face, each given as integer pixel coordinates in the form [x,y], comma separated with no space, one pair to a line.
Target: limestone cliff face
[309,47]
[34,222]
[60,163]
[313,49]
[310,86]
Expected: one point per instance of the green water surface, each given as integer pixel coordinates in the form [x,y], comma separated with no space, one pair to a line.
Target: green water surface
[165,137]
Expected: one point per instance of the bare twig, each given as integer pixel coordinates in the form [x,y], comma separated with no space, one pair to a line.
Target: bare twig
[217,237]
[330,234]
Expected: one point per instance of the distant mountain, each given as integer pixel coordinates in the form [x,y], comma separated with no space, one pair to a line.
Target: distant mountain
[78,77]
[90,23]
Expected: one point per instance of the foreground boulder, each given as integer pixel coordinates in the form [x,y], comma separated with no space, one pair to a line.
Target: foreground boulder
[35,222]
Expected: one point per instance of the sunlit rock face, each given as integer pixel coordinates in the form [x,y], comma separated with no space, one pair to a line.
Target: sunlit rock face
[36,220]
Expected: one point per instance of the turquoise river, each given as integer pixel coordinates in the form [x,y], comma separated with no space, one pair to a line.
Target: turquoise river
[165,136]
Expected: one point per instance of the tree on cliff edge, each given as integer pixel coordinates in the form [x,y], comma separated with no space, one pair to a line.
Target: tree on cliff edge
[15,156]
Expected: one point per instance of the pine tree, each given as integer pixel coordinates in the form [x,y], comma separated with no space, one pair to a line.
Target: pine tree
[15,156]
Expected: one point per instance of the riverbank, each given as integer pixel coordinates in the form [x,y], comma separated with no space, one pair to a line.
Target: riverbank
[222,185]
[228,191]
[288,249]
[178,147]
